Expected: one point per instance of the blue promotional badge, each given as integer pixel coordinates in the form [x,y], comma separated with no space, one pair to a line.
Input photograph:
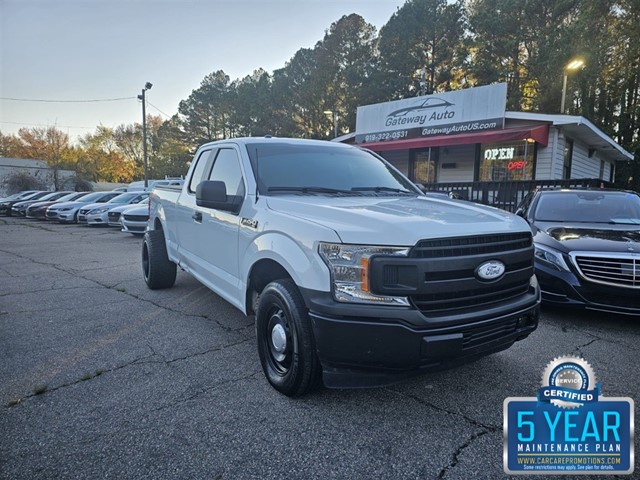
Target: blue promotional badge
[569,427]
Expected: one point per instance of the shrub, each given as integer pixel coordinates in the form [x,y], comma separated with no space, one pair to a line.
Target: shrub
[19,181]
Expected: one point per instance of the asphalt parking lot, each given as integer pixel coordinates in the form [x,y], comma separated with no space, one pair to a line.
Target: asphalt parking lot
[102,378]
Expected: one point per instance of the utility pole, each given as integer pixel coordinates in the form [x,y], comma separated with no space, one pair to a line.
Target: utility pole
[147,86]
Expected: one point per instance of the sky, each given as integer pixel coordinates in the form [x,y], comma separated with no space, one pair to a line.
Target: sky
[108,49]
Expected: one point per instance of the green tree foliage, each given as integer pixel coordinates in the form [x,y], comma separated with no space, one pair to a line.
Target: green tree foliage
[422,49]
[452,44]
[524,44]
[205,114]
[48,144]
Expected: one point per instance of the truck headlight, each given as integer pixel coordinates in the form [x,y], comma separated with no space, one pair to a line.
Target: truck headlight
[349,267]
[550,256]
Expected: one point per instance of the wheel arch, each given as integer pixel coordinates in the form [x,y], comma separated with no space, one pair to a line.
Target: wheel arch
[262,273]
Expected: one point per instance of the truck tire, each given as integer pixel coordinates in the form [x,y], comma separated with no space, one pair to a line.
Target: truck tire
[286,345]
[159,272]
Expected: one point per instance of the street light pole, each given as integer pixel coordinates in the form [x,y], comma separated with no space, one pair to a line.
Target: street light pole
[334,113]
[572,65]
[147,86]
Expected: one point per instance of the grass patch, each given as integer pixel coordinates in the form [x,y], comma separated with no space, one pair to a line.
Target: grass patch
[90,375]
[40,389]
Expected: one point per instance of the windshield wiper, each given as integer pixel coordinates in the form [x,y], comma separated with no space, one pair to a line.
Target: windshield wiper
[308,190]
[380,189]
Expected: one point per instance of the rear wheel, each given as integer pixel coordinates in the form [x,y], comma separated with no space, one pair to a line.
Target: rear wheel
[286,344]
[159,272]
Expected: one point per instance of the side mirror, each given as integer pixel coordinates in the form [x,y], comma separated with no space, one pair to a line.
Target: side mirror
[520,213]
[213,194]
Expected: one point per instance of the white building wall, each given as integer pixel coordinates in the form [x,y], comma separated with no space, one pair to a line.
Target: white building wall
[545,157]
[37,169]
[558,157]
[582,166]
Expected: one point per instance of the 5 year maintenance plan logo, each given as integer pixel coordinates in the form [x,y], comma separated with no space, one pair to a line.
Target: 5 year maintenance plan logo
[569,427]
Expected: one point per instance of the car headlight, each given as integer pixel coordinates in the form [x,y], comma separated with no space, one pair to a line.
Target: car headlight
[550,256]
[95,211]
[65,209]
[349,267]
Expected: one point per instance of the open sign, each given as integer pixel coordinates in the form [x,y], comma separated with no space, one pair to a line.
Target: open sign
[517,165]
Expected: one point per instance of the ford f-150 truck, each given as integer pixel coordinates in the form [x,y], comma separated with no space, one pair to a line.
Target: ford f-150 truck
[355,277]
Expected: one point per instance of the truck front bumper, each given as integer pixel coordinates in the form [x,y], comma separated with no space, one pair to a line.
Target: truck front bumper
[368,351]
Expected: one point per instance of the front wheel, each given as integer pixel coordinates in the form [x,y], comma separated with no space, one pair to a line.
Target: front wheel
[286,345]
[159,271]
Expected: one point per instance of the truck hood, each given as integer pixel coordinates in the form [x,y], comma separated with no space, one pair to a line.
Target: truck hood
[397,220]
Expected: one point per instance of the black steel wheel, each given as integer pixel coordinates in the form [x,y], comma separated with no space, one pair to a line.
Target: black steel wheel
[286,345]
[159,272]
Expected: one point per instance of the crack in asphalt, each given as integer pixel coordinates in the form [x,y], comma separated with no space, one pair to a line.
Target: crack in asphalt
[145,360]
[205,390]
[84,378]
[137,297]
[472,421]
[484,429]
[566,329]
[579,348]
[455,458]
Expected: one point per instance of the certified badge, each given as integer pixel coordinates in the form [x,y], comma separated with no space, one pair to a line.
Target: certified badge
[568,382]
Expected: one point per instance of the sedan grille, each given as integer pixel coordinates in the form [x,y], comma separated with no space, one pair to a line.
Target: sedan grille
[113,216]
[621,270]
[136,218]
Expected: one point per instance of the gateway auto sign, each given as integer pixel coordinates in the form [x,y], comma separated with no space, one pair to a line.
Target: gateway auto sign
[462,111]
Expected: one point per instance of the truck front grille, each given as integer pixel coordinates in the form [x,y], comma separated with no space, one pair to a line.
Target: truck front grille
[450,286]
[476,245]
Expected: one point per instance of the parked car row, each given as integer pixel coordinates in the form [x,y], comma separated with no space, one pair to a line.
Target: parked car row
[587,241]
[90,208]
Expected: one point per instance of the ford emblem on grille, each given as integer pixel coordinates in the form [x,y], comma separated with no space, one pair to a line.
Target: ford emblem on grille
[491,270]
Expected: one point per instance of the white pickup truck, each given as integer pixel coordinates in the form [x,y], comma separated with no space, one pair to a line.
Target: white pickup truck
[356,278]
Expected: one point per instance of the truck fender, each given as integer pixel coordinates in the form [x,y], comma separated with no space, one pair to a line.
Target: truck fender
[303,265]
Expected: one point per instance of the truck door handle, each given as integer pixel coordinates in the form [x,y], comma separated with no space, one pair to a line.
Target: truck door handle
[197,216]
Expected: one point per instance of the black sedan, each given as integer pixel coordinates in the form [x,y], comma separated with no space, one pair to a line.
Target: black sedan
[587,247]
[9,202]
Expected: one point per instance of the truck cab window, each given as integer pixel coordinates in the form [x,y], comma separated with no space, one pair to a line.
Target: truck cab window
[227,169]
[203,164]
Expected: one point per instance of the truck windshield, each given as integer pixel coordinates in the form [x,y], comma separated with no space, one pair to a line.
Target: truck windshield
[285,168]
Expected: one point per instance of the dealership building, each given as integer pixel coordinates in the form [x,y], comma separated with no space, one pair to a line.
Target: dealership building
[465,141]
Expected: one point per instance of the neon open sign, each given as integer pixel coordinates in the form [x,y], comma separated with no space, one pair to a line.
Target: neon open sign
[499,153]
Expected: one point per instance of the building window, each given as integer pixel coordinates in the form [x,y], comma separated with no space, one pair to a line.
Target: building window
[567,159]
[612,172]
[507,161]
[424,169]
[601,176]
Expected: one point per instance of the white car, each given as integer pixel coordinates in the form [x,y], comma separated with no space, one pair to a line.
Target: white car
[97,214]
[68,212]
[134,219]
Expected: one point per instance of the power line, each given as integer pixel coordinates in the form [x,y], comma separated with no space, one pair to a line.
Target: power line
[66,101]
[152,105]
[42,125]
